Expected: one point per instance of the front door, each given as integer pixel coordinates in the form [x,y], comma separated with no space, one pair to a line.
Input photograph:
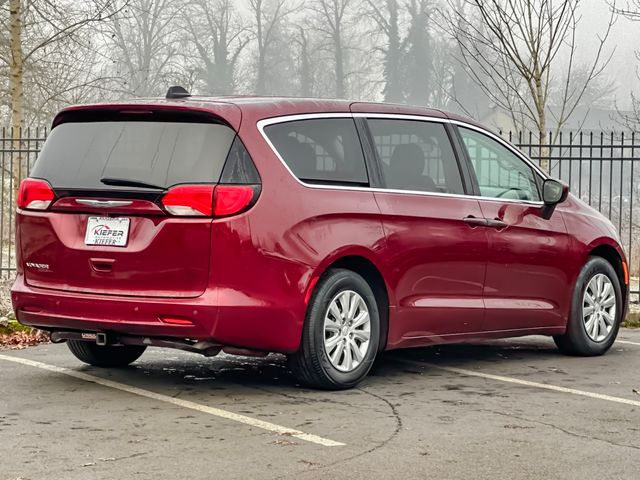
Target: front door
[439,250]
[525,285]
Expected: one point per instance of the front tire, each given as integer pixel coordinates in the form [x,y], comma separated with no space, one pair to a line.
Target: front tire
[105,356]
[340,335]
[596,311]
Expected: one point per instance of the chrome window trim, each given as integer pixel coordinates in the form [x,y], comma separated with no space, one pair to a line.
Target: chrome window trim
[262,124]
[488,133]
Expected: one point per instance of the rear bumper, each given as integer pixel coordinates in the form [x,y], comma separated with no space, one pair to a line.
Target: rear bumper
[219,315]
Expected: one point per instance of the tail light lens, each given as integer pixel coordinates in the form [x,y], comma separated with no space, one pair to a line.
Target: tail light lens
[189,200]
[208,200]
[34,194]
[232,199]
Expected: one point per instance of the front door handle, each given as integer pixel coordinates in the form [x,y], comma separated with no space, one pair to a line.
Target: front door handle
[497,224]
[474,222]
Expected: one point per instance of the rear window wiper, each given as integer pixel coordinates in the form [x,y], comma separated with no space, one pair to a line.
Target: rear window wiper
[123,182]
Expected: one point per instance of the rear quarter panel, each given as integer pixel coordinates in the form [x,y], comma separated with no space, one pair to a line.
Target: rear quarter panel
[265,259]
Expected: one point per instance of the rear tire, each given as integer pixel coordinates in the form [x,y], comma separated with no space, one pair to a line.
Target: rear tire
[341,333]
[596,311]
[105,356]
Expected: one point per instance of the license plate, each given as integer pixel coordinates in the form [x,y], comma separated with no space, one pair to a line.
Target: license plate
[108,231]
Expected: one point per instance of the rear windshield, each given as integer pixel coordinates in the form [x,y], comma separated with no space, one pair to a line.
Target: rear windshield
[79,155]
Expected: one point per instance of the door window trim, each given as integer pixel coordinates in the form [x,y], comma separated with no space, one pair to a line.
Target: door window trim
[262,124]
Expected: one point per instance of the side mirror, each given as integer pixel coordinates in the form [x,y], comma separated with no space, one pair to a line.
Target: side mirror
[554,192]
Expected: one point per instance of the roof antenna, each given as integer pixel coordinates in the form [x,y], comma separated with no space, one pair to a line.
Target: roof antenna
[177,92]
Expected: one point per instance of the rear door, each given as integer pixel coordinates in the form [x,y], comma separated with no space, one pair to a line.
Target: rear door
[107,231]
[433,230]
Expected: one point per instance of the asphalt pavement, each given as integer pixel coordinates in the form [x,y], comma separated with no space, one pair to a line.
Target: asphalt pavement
[508,409]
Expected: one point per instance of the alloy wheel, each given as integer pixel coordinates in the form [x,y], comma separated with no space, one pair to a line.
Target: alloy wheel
[347,330]
[599,307]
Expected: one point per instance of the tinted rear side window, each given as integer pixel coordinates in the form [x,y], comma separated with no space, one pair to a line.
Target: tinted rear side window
[326,151]
[416,155]
[78,155]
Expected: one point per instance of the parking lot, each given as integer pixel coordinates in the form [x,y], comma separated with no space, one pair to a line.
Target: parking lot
[499,409]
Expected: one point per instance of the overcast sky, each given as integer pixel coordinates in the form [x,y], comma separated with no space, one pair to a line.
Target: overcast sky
[624,40]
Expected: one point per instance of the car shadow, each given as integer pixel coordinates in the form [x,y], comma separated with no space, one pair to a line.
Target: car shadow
[486,351]
[161,369]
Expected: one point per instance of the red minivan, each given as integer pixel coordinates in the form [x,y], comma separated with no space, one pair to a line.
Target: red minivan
[325,230]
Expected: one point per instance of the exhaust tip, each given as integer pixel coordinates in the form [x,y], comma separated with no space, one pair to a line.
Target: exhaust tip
[56,337]
[101,339]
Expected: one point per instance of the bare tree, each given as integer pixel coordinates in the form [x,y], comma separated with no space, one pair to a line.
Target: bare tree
[442,78]
[68,73]
[35,29]
[332,18]
[631,10]
[142,46]
[513,49]
[268,17]
[216,30]
[305,51]
[16,66]
[464,94]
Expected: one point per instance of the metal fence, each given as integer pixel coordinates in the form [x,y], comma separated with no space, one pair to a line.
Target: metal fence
[18,152]
[603,169]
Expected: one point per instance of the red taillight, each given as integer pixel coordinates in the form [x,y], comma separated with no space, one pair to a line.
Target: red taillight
[34,194]
[207,200]
[231,199]
[189,200]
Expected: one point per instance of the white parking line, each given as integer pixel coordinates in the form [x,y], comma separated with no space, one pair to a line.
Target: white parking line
[626,342]
[526,383]
[217,412]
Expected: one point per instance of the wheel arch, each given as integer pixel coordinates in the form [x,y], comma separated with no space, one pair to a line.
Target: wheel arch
[367,269]
[617,260]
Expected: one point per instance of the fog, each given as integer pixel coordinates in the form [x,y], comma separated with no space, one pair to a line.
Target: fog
[623,43]
[408,51]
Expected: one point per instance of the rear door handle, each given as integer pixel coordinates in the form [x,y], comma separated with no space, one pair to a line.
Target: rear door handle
[475,221]
[497,224]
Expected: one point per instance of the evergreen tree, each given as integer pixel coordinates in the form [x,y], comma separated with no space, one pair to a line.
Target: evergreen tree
[418,62]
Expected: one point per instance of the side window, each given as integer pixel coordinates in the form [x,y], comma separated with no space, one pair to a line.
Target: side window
[325,151]
[416,155]
[500,172]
